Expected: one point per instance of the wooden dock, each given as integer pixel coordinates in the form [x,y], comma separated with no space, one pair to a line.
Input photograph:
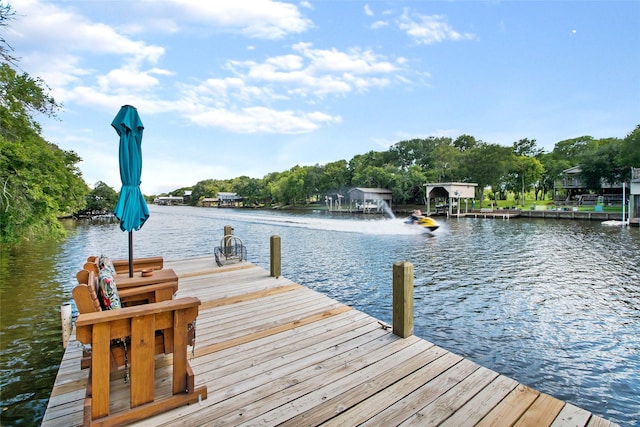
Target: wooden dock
[272,352]
[489,213]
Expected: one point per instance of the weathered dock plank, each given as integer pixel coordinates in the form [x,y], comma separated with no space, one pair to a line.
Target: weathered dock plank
[272,352]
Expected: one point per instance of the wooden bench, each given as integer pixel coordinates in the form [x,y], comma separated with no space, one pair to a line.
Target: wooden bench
[141,322]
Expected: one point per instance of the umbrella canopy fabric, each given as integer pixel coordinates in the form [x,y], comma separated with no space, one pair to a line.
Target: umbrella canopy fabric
[131,209]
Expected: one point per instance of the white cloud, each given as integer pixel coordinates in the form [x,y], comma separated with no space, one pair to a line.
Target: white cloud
[97,66]
[56,70]
[124,79]
[367,10]
[263,120]
[317,72]
[429,29]
[354,61]
[48,26]
[264,19]
[379,24]
[64,48]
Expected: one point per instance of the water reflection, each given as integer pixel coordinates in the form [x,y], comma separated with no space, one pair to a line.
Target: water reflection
[553,304]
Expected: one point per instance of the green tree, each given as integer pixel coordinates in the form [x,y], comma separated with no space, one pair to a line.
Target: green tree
[39,182]
[553,171]
[410,188]
[377,177]
[6,14]
[101,199]
[289,186]
[465,142]
[204,189]
[629,155]
[415,152]
[362,161]
[446,159]
[312,182]
[250,189]
[485,165]
[570,150]
[525,173]
[602,165]
[335,177]
[526,147]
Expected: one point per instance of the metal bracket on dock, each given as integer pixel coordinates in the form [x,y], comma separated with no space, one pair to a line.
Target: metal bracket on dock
[230,250]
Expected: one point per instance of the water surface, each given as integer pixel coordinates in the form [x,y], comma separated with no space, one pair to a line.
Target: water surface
[554,304]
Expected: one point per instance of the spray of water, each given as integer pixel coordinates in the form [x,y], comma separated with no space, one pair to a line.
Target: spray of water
[387,209]
[384,226]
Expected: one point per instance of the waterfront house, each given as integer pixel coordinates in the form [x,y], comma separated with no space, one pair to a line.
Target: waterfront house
[209,202]
[169,200]
[369,200]
[574,190]
[226,199]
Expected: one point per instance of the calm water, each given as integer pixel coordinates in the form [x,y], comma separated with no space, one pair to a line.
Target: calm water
[553,304]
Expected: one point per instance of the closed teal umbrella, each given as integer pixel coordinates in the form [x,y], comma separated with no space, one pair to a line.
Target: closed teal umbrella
[131,209]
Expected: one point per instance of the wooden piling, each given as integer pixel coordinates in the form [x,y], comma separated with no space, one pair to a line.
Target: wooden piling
[65,318]
[228,232]
[403,299]
[276,264]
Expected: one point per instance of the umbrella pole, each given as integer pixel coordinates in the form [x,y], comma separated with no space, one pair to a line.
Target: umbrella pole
[131,254]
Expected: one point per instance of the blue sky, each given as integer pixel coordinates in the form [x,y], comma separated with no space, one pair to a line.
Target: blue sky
[226,89]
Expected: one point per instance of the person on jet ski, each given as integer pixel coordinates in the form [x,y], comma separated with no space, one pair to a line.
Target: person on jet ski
[416,215]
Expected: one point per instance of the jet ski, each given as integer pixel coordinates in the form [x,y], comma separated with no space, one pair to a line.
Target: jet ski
[422,221]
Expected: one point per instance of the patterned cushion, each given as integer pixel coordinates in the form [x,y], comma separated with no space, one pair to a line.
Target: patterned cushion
[105,262]
[107,291]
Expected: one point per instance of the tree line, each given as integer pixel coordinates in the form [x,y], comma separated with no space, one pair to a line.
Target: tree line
[407,165]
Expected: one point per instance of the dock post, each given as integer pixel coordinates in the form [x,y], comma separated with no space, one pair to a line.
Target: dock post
[65,318]
[276,267]
[228,231]
[403,299]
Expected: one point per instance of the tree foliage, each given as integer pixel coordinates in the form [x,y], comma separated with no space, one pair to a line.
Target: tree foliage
[407,165]
[630,150]
[207,188]
[602,165]
[6,14]
[38,181]
[102,199]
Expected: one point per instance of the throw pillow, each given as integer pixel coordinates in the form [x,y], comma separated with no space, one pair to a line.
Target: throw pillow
[105,262]
[107,291]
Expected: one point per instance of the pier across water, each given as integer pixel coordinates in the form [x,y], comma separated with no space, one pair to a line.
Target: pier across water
[273,352]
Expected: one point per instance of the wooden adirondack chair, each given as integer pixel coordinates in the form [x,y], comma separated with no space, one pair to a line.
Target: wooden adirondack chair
[140,323]
[152,323]
[86,298]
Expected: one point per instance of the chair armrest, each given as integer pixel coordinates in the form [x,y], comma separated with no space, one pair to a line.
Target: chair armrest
[139,264]
[152,293]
